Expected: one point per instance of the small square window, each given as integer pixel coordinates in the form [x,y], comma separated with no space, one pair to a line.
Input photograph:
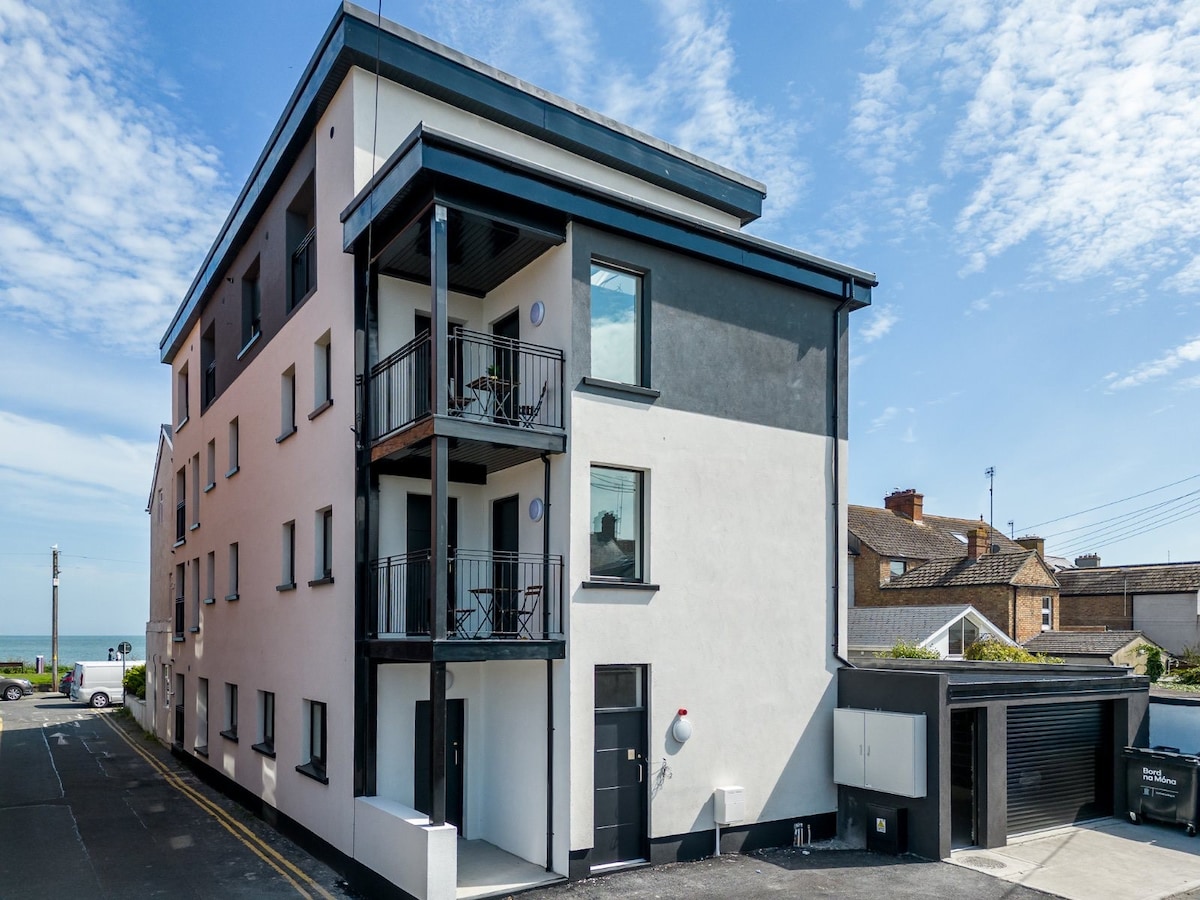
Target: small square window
[619,687]
[617,547]
[896,568]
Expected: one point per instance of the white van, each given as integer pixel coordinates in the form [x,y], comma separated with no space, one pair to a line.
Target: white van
[101,683]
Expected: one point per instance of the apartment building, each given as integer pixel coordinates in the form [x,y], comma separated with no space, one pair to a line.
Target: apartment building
[509,478]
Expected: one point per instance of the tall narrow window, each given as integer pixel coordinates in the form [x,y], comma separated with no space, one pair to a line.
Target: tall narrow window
[194,589]
[287,404]
[181,397]
[202,716]
[233,448]
[301,240]
[233,573]
[1047,613]
[181,505]
[323,546]
[210,577]
[322,374]
[195,492]
[617,527]
[288,557]
[266,723]
[208,366]
[251,306]
[315,741]
[180,600]
[230,730]
[210,467]
[617,328]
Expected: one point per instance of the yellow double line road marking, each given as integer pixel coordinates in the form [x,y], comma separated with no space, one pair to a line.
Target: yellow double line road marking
[298,879]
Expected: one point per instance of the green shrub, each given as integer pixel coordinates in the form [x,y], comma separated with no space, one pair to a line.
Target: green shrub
[997,651]
[904,650]
[1154,661]
[1188,676]
[135,681]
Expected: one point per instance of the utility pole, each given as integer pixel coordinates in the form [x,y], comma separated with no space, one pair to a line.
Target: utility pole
[54,622]
[990,473]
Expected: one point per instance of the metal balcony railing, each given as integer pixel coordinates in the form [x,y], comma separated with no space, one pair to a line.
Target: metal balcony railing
[492,379]
[489,596]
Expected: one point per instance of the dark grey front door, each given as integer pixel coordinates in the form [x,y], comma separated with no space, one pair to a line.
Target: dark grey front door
[964,755]
[456,754]
[505,572]
[620,802]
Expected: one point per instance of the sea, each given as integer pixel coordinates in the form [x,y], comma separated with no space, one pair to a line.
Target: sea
[71,647]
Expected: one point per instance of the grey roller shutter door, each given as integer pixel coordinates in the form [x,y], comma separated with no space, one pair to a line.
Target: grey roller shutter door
[1059,765]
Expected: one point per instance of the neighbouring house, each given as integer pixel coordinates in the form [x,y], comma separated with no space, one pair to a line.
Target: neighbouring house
[466,393]
[903,557]
[1161,600]
[947,629]
[1094,648]
[162,508]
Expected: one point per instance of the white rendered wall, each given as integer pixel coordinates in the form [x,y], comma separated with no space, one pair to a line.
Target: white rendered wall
[1170,620]
[739,533]
[402,109]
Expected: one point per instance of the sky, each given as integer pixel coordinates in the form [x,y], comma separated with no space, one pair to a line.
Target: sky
[1020,175]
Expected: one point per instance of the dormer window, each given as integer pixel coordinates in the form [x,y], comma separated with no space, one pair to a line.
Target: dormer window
[897,567]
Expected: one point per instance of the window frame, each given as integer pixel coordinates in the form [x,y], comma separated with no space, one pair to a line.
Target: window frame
[200,746]
[322,375]
[266,724]
[251,307]
[322,547]
[316,741]
[641,317]
[1047,613]
[234,450]
[287,404]
[641,562]
[230,731]
[233,572]
[210,465]
[287,567]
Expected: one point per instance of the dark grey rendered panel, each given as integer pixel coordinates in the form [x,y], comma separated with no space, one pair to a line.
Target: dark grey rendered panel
[722,343]
[928,816]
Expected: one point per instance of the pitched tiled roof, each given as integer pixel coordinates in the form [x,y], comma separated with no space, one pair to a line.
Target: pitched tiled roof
[891,533]
[879,627]
[1099,643]
[1163,578]
[992,568]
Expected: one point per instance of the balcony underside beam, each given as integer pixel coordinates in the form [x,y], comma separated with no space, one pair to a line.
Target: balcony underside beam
[417,650]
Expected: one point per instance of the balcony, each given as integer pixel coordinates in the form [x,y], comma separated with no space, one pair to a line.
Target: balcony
[498,606]
[501,392]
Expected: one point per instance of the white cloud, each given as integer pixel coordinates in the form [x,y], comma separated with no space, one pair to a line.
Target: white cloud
[1074,126]
[1187,352]
[884,318]
[106,208]
[687,94]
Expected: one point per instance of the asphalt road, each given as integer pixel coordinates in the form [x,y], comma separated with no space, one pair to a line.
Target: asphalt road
[90,808]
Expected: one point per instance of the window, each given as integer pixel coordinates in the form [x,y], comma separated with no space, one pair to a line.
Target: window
[210,468]
[195,590]
[210,577]
[619,687]
[963,634]
[195,492]
[617,550]
[287,404]
[896,568]
[323,549]
[202,716]
[313,749]
[233,448]
[322,374]
[266,723]
[233,573]
[208,366]
[251,306]
[181,397]
[231,712]
[181,506]
[288,558]
[180,600]
[301,245]
[618,352]
[1047,613]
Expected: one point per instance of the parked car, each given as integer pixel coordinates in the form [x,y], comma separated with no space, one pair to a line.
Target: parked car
[64,686]
[15,688]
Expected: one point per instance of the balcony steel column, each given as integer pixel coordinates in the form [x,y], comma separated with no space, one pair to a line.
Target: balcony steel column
[439,511]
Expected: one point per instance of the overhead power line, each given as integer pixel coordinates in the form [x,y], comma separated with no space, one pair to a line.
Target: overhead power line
[1026,529]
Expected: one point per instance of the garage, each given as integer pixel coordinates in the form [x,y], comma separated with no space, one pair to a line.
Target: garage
[1006,748]
[1059,765]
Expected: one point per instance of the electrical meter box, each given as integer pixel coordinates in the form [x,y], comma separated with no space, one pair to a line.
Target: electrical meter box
[729,805]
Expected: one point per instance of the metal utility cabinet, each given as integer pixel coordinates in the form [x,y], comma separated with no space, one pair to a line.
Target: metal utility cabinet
[881,751]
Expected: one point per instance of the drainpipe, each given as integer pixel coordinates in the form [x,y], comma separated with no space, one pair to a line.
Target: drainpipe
[838,556]
[549,663]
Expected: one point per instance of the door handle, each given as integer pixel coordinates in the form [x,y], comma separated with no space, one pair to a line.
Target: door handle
[641,771]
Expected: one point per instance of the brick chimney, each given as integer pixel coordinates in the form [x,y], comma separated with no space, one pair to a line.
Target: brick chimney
[1087,561]
[907,503]
[977,542]
[1032,542]
[608,527]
